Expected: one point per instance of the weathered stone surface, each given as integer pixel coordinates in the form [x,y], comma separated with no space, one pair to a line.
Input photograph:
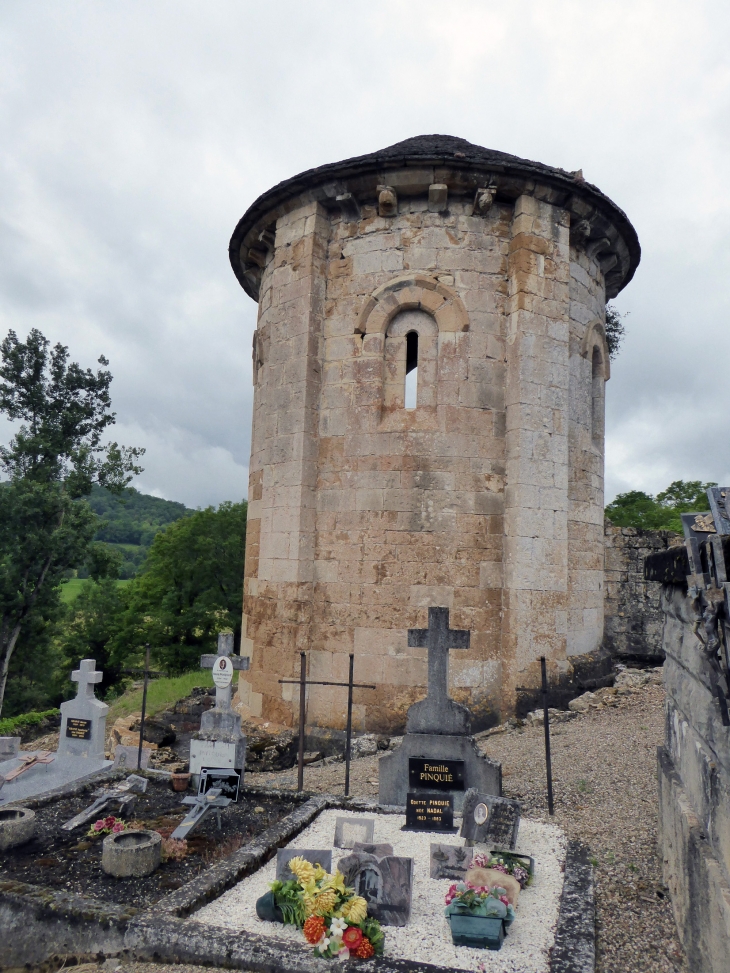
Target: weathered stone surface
[350,831]
[131,854]
[488,497]
[574,950]
[17,826]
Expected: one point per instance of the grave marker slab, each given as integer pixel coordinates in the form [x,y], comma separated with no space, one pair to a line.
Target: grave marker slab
[317,856]
[220,742]
[83,719]
[379,850]
[348,831]
[489,820]
[385,883]
[430,812]
[226,781]
[450,861]
[126,757]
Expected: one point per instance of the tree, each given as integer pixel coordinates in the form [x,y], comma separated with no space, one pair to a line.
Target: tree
[93,620]
[642,510]
[190,589]
[46,527]
[615,330]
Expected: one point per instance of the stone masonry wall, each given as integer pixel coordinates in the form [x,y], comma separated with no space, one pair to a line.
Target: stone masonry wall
[633,614]
[694,794]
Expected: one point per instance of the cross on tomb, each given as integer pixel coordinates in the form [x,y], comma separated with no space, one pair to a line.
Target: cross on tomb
[225,651]
[438,713]
[86,677]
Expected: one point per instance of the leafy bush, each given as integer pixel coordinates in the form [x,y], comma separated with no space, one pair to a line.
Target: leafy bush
[9,727]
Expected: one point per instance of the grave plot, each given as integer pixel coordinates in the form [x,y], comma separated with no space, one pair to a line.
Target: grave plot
[70,860]
[425,938]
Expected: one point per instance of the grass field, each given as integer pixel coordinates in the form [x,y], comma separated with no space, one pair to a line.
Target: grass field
[161,694]
[70,590]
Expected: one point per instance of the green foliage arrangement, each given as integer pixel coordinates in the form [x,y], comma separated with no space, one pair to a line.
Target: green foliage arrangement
[51,464]
[615,330]
[660,512]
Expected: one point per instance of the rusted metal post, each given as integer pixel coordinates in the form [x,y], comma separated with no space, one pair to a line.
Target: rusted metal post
[348,744]
[302,698]
[546,721]
[144,704]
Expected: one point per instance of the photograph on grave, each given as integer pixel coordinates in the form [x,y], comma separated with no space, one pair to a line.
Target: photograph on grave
[489,820]
[316,856]
[385,883]
[437,751]
[430,812]
[220,742]
[349,831]
[227,782]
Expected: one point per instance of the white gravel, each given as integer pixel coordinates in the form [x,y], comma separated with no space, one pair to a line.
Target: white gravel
[427,937]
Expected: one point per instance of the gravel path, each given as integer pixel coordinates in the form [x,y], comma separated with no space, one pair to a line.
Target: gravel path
[604,773]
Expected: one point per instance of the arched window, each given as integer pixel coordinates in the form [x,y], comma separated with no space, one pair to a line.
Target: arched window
[598,386]
[411,392]
[411,351]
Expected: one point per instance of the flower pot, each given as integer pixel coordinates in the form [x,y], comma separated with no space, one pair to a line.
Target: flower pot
[267,909]
[479,932]
[179,782]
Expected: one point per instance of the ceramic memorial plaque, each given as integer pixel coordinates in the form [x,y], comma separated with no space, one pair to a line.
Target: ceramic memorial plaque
[385,883]
[348,831]
[317,856]
[226,781]
[429,812]
[489,820]
[450,861]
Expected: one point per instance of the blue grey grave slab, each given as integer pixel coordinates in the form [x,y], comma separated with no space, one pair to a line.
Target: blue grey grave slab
[489,820]
[437,727]
[386,884]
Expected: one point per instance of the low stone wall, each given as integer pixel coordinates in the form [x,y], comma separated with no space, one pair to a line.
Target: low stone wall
[633,613]
[694,789]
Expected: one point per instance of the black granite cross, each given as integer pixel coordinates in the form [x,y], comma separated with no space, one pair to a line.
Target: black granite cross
[438,638]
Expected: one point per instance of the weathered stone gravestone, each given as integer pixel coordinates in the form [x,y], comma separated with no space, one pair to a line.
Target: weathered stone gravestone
[349,831]
[489,820]
[450,861]
[83,719]
[80,748]
[220,743]
[437,753]
[125,758]
[317,856]
[385,883]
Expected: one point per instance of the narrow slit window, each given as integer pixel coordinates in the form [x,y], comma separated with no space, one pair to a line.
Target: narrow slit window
[598,391]
[411,397]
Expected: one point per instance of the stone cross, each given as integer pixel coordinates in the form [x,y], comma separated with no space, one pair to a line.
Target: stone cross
[86,677]
[225,650]
[438,713]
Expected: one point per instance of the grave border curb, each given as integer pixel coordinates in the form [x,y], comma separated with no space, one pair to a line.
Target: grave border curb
[574,949]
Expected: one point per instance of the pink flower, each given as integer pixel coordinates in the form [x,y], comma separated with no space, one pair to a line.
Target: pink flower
[504,899]
[118,827]
[109,822]
[99,825]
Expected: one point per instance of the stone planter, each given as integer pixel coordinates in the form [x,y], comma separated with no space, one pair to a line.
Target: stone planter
[478,932]
[267,909]
[131,854]
[180,782]
[17,826]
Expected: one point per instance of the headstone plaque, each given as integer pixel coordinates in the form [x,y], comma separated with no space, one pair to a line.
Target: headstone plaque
[317,856]
[489,820]
[127,757]
[348,831]
[78,729]
[385,883]
[226,781]
[220,742]
[212,753]
[450,861]
[429,812]
[435,775]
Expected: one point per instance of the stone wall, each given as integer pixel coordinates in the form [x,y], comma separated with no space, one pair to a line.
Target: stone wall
[633,612]
[694,793]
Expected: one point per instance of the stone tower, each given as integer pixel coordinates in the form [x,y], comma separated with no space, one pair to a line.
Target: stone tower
[484,277]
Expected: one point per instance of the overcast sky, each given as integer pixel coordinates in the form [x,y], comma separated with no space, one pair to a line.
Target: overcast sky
[133,135]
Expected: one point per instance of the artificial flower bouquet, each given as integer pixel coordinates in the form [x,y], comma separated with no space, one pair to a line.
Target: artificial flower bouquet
[519,868]
[333,919]
[479,900]
[110,825]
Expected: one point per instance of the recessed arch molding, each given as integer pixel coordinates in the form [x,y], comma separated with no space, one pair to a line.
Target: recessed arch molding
[418,292]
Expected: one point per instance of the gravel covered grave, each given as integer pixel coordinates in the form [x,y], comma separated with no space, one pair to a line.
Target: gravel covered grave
[427,937]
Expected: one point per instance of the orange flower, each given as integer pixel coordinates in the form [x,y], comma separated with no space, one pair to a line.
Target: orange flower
[313,929]
[365,949]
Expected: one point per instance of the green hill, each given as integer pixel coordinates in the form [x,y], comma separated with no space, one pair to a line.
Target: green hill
[131,521]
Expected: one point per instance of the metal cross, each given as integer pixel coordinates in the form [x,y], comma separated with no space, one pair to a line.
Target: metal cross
[438,638]
[86,677]
[225,650]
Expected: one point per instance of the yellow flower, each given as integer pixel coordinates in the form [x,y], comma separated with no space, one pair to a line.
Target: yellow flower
[336,882]
[319,873]
[308,901]
[356,909]
[325,902]
[303,869]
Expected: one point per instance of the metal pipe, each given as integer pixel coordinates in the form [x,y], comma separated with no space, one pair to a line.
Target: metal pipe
[302,696]
[546,721]
[144,704]
[349,725]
